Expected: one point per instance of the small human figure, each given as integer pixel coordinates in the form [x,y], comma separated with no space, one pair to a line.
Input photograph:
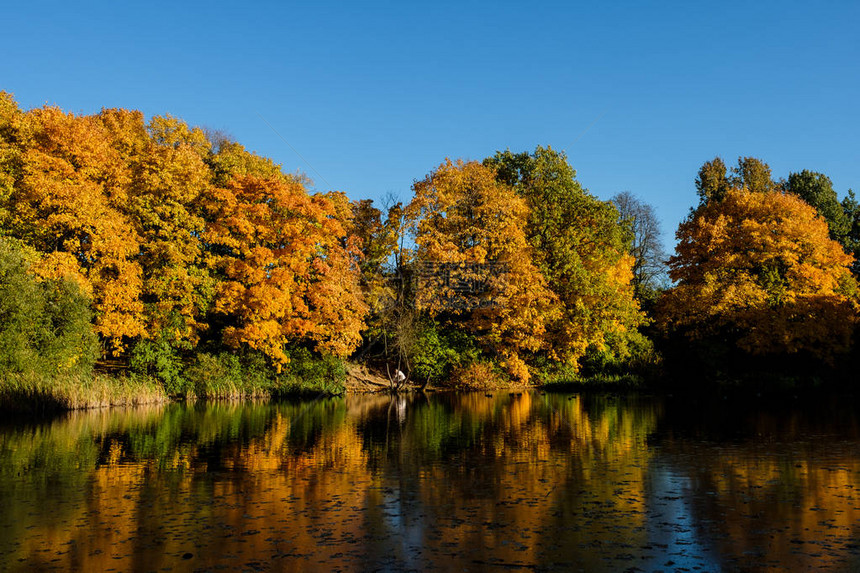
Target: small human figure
[399,377]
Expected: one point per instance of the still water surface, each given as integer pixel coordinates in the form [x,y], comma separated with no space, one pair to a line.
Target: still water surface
[468,482]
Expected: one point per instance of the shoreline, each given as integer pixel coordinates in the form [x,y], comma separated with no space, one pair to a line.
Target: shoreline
[42,396]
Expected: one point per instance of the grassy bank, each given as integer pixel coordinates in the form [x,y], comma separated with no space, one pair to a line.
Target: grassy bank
[222,376]
[603,382]
[30,393]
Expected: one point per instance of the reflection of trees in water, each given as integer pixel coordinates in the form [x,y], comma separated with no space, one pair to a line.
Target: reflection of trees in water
[409,482]
[362,476]
[769,486]
[517,479]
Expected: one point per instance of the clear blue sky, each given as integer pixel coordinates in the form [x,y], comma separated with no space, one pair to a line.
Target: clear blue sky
[374,96]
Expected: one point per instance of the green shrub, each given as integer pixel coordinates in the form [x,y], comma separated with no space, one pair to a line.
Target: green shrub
[214,375]
[438,352]
[160,360]
[622,355]
[311,372]
[249,373]
[45,326]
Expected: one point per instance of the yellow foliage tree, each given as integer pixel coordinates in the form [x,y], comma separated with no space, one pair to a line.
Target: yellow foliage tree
[467,223]
[69,191]
[168,177]
[760,269]
[582,251]
[288,267]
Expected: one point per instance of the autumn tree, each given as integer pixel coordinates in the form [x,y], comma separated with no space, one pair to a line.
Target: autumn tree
[580,248]
[715,179]
[817,190]
[168,179]
[68,189]
[759,271]
[468,224]
[646,246]
[287,267]
[10,153]
[230,159]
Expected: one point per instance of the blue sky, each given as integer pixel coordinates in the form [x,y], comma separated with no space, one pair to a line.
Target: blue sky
[374,96]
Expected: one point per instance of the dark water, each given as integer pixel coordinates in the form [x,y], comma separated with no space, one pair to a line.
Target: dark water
[445,482]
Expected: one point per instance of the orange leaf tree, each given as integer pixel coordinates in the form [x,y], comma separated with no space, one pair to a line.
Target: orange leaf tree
[465,221]
[287,267]
[168,178]
[760,271]
[68,190]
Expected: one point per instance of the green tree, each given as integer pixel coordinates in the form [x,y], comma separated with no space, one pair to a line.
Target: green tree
[581,249]
[712,182]
[45,325]
[714,179]
[817,190]
[752,174]
[852,214]
[468,223]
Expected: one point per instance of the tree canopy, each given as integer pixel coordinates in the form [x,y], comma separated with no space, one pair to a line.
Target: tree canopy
[466,221]
[580,248]
[760,270]
[172,247]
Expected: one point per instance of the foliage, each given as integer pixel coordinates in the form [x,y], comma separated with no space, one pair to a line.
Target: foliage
[714,182]
[169,179]
[817,190]
[44,324]
[378,238]
[286,274]
[157,358]
[67,203]
[381,269]
[251,374]
[581,249]
[753,175]
[759,271]
[227,375]
[852,215]
[465,220]
[310,372]
[437,351]
[209,271]
[632,353]
[477,375]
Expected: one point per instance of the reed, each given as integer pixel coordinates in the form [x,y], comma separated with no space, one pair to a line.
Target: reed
[32,393]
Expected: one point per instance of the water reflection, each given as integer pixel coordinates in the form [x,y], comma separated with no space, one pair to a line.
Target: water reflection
[458,481]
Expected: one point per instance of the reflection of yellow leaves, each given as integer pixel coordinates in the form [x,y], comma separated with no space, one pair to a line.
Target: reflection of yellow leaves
[536,451]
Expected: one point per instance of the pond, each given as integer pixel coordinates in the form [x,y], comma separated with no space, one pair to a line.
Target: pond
[472,482]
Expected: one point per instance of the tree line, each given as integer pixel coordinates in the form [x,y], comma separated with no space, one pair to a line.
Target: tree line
[177,253]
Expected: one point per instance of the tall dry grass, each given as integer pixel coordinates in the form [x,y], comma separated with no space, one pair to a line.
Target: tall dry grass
[30,392]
